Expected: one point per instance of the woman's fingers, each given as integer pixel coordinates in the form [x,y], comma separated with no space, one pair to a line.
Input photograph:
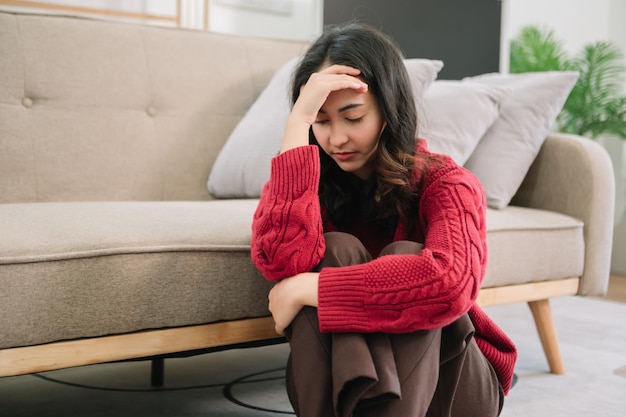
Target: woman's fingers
[337,77]
[312,97]
[321,84]
[340,69]
[282,305]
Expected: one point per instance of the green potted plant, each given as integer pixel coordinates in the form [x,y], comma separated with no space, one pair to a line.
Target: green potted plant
[597,104]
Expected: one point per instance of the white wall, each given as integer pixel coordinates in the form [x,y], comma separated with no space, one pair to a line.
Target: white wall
[283,19]
[160,8]
[576,22]
[617,23]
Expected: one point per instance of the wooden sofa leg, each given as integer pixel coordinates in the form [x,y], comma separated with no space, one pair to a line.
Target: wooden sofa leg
[547,334]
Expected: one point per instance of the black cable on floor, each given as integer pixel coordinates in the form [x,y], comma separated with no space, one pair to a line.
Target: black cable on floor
[159,389]
[226,388]
[227,391]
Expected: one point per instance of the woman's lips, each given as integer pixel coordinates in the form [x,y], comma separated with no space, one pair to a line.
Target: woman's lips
[344,156]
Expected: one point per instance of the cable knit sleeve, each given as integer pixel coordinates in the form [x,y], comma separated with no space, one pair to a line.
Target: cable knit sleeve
[287,234]
[405,293]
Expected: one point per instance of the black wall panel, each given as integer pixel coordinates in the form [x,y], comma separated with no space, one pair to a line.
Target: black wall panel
[464,34]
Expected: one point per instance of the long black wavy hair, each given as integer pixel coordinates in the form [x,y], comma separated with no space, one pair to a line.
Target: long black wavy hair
[387,195]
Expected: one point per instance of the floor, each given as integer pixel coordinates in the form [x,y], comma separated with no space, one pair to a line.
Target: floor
[617,288]
[225,384]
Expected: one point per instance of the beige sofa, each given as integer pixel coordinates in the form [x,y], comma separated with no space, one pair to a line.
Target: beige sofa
[111,247]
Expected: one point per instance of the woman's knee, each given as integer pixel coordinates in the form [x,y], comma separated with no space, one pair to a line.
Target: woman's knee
[343,249]
[402,247]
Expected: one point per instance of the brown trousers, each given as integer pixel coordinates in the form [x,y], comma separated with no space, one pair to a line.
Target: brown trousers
[434,373]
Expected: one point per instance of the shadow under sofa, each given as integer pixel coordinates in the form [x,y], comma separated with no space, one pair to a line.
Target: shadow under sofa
[111,247]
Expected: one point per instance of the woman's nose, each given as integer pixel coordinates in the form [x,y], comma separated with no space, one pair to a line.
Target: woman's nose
[338,137]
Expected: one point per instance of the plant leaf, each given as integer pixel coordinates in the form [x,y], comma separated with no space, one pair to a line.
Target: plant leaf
[594,100]
[536,49]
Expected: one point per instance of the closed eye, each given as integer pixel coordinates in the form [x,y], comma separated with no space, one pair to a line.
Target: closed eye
[357,120]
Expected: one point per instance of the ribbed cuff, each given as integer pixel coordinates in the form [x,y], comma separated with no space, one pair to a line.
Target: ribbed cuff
[341,300]
[296,171]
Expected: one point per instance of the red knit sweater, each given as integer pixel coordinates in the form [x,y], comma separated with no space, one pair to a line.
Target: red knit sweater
[396,293]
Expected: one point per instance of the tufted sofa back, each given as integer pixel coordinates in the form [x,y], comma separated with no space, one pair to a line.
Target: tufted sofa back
[93,110]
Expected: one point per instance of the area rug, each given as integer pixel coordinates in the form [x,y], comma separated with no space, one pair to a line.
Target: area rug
[250,382]
[592,338]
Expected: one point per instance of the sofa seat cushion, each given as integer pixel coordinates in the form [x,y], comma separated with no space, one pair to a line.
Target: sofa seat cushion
[530,245]
[73,270]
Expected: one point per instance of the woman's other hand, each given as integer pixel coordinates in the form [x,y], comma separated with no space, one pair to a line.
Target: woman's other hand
[288,297]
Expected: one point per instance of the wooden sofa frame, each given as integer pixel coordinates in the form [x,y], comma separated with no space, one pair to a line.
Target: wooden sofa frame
[155,343]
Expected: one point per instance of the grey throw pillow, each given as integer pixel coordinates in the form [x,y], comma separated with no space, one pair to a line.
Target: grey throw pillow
[503,156]
[455,116]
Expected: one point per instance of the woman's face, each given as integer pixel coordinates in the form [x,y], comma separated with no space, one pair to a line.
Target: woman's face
[348,128]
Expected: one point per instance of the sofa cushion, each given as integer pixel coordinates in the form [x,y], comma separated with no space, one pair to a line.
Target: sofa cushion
[504,155]
[96,110]
[530,245]
[243,165]
[455,116]
[74,270]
